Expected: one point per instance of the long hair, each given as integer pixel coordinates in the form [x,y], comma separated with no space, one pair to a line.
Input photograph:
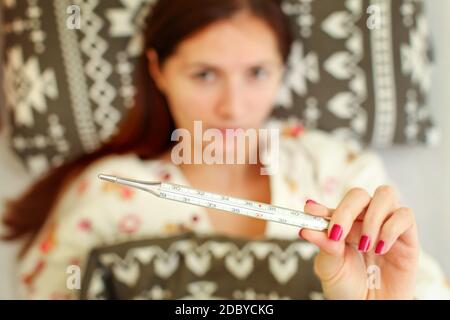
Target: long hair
[147,126]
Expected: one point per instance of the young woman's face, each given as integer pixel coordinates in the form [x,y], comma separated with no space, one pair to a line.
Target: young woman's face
[226,75]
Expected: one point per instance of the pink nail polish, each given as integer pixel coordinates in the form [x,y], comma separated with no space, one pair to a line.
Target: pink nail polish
[309,201]
[379,248]
[336,232]
[364,243]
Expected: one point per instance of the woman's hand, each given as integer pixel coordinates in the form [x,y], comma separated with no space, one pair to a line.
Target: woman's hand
[369,237]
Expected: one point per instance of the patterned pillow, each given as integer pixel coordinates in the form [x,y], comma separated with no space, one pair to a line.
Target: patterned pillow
[193,266]
[67,89]
[360,69]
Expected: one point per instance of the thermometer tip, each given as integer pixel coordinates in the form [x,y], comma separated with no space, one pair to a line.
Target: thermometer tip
[107,177]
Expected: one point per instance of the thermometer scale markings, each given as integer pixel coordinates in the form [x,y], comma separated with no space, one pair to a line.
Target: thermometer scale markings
[254,209]
[235,208]
[234,202]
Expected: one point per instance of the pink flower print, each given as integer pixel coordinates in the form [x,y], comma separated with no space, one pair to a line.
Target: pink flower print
[126,193]
[49,241]
[129,223]
[75,261]
[82,186]
[293,130]
[329,185]
[297,130]
[46,246]
[85,225]
[164,175]
[28,278]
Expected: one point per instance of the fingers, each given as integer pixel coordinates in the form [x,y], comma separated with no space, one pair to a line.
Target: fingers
[352,206]
[383,203]
[398,223]
[316,209]
[365,222]
[320,238]
[331,256]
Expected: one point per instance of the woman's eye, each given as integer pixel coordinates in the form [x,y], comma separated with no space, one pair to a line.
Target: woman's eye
[259,73]
[205,76]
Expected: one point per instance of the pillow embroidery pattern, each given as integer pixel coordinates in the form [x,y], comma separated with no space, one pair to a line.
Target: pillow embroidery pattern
[348,74]
[202,267]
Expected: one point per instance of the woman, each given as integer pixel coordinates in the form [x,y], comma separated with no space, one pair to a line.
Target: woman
[221,64]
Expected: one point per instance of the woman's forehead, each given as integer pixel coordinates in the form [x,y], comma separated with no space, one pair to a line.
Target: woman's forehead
[238,40]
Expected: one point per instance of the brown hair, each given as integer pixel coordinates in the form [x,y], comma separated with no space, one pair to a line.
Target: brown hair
[147,127]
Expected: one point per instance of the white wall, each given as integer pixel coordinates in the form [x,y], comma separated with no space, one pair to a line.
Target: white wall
[423,174]
[439,13]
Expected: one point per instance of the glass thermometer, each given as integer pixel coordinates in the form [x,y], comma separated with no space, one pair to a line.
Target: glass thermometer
[211,200]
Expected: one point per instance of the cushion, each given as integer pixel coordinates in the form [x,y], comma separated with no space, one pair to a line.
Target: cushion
[193,266]
[358,68]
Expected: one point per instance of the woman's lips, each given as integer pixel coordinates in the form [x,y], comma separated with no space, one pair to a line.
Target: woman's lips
[230,130]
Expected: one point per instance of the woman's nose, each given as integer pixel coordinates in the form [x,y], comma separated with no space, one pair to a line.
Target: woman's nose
[232,104]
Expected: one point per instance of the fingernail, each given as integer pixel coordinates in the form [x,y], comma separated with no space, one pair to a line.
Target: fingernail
[336,232]
[309,201]
[364,243]
[379,248]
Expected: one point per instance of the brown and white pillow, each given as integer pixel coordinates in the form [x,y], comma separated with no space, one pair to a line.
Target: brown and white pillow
[193,266]
[66,89]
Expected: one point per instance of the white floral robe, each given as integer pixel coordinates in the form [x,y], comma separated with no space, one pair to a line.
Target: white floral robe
[313,165]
